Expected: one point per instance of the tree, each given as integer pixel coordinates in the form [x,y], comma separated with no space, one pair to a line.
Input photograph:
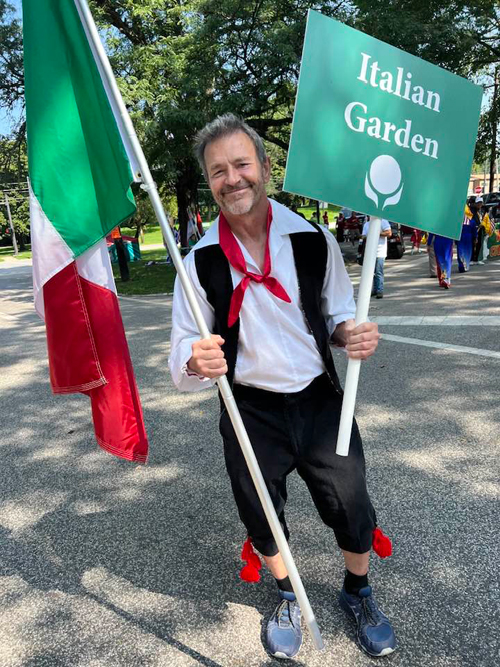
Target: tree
[151,43]
[11,58]
[459,35]
[181,64]
[13,181]
[12,88]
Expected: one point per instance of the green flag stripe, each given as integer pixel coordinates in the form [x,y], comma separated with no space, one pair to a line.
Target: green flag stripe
[78,166]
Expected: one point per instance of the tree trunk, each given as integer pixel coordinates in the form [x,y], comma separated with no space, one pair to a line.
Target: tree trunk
[181,194]
[494,132]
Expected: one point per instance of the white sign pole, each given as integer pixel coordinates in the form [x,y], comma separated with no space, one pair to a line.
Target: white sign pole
[353,366]
[150,186]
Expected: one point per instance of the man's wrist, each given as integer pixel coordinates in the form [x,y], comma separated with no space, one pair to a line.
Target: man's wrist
[191,372]
[338,337]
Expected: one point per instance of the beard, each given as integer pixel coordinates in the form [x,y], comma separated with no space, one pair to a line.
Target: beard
[252,194]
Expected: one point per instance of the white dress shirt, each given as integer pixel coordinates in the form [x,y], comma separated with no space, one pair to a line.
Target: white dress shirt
[382,241]
[276,350]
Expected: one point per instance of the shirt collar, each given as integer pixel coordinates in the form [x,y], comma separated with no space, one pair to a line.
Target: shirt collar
[284,222]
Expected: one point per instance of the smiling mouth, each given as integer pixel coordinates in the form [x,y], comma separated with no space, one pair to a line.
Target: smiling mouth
[233,192]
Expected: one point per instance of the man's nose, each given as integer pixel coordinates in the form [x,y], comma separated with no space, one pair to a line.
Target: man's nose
[232,176]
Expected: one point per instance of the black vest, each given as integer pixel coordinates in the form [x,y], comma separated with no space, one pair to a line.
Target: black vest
[310,254]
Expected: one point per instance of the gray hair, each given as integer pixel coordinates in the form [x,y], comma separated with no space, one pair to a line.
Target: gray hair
[223,126]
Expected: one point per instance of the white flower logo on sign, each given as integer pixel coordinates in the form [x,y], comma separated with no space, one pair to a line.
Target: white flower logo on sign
[383,181]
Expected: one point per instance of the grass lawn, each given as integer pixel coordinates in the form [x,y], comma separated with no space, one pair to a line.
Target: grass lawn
[151,234]
[9,252]
[154,279]
[333,212]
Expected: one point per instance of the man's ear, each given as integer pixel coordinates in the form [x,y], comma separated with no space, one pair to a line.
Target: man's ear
[266,170]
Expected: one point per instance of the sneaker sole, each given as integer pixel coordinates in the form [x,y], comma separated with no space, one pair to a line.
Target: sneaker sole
[284,656]
[385,651]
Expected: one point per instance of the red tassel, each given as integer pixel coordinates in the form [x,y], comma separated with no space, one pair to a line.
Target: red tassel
[247,550]
[250,571]
[381,544]
[249,574]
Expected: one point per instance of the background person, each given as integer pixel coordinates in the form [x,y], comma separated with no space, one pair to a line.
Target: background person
[340,227]
[378,279]
[443,250]
[432,256]
[469,234]
[477,244]
[415,239]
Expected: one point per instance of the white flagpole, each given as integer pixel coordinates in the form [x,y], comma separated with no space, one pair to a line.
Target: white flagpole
[150,186]
[354,365]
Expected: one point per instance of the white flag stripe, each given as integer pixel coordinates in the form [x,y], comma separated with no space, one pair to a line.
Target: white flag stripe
[50,252]
[95,266]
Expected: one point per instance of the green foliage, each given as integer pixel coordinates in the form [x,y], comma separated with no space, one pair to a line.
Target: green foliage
[20,212]
[180,64]
[13,180]
[459,35]
[11,60]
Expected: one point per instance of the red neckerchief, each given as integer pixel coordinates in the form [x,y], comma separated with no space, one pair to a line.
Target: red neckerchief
[234,256]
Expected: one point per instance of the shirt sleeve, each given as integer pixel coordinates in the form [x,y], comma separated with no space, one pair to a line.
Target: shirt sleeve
[185,332]
[384,225]
[337,298]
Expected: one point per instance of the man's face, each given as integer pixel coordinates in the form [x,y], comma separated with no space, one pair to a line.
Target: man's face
[236,177]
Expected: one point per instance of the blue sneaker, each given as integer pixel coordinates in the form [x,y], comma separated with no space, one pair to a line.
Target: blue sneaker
[283,633]
[375,634]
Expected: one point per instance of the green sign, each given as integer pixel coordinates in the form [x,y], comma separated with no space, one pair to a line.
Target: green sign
[380,131]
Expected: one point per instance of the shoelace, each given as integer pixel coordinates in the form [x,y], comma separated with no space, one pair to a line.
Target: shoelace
[371,611]
[283,613]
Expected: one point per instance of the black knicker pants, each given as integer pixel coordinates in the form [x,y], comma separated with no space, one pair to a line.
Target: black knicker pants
[299,431]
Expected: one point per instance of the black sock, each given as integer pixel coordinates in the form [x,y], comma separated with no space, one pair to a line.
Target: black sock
[353,582]
[285,584]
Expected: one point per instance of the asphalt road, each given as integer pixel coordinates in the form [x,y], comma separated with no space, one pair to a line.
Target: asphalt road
[104,563]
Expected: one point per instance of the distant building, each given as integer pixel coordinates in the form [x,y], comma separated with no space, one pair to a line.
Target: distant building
[482,181]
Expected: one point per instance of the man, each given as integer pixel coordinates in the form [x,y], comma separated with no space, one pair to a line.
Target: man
[273,289]
[378,279]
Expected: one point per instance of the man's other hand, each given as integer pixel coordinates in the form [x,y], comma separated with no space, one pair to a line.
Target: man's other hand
[208,359]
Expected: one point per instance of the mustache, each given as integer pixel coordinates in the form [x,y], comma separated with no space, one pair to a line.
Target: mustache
[242,186]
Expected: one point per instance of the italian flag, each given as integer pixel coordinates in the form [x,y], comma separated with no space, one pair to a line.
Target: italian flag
[80,177]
